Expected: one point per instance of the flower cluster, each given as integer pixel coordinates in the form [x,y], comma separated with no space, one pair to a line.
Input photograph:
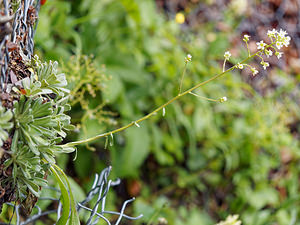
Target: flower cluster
[278,40]
[231,220]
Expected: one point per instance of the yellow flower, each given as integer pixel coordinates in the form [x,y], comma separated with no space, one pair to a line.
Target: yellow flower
[179,18]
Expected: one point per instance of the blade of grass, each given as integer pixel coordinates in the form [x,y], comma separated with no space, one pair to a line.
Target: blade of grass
[64,197]
[74,218]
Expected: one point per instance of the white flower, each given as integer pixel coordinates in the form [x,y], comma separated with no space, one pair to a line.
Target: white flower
[264,64]
[282,33]
[227,55]
[231,220]
[246,38]
[272,33]
[223,99]
[286,41]
[254,71]
[279,54]
[278,44]
[162,220]
[240,66]
[268,53]
[188,58]
[261,45]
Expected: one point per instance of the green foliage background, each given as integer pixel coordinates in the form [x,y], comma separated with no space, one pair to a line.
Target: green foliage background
[202,160]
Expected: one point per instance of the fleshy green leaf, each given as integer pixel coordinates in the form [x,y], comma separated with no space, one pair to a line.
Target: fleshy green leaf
[5,124]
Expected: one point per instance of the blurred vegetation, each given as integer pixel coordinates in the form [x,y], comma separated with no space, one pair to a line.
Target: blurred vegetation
[202,160]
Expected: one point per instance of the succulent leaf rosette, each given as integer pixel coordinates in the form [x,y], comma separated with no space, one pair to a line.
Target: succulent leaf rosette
[31,130]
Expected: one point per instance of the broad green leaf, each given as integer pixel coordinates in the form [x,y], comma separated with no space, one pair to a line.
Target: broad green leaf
[136,150]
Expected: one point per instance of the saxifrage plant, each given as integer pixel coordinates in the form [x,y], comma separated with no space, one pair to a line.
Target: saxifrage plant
[39,124]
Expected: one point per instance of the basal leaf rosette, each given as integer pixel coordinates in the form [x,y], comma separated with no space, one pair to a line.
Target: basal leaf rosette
[41,126]
[38,124]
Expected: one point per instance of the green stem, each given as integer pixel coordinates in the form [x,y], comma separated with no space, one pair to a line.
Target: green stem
[248,49]
[224,65]
[182,77]
[205,98]
[159,108]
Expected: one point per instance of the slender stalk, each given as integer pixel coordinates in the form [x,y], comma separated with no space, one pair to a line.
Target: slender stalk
[205,98]
[224,65]
[162,106]
[182,77]
[248,48]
